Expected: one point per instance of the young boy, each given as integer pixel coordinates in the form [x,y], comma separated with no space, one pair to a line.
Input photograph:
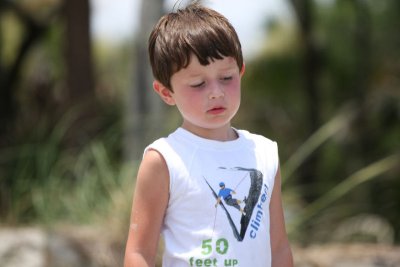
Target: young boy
[197,63]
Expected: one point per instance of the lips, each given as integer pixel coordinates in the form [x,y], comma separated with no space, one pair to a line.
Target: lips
[216,110]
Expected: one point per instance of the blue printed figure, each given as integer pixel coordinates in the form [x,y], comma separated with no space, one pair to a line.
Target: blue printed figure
[226,194]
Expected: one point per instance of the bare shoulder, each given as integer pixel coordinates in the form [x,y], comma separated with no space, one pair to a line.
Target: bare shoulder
[153,172]
[153,160]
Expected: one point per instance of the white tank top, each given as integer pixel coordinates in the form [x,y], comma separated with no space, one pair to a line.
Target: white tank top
[241,173]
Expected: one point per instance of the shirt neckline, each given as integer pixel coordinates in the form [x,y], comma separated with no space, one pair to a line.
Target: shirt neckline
[201,142]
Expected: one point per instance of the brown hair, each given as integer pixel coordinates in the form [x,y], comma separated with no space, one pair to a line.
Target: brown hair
[192,30]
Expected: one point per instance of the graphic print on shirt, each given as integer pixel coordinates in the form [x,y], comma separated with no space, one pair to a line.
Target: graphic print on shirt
[246,206]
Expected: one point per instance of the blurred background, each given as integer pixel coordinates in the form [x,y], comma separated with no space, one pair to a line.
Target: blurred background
[77,109]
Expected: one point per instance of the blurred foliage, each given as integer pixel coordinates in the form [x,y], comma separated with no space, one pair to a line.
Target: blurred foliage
[358,105]
[46,178]
[46,174]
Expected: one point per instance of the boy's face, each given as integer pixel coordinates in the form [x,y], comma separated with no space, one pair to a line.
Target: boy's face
[206,96]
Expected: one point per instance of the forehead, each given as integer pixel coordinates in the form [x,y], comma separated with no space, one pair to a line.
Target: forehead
[226,63]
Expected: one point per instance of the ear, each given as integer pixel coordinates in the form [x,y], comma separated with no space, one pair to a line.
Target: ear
[165,94]
[242,70]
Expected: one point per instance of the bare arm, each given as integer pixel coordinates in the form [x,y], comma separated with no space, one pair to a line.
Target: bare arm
[149,205]
[281,252]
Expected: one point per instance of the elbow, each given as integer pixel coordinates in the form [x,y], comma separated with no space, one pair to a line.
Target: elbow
[135,259]
[282,255]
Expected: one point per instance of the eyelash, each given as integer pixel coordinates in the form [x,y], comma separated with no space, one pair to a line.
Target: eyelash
[228,78]
[198,85]
[224,79]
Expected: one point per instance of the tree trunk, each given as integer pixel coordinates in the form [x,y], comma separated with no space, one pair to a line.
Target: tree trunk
[80,94]
[78,50]
[307,172]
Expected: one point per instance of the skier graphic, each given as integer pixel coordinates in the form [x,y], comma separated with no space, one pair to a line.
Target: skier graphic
[226,194]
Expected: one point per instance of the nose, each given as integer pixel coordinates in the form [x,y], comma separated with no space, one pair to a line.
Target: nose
[216,91]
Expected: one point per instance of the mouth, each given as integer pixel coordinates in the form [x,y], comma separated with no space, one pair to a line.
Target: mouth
[216,110]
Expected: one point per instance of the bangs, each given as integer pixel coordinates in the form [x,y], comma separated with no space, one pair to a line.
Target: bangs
[206,44]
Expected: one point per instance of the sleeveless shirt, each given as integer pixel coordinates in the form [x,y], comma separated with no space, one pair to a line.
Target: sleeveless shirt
[198,230]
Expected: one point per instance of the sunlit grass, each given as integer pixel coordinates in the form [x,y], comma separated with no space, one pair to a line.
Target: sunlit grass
[336,193]
[322,135]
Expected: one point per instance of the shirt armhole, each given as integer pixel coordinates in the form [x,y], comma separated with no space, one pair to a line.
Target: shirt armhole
[162,147]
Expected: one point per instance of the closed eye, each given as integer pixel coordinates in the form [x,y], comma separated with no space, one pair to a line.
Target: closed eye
[197,85]
[227,78]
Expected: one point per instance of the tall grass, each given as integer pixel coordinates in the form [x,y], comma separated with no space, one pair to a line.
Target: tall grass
[85,188]
[48,182]
[322,135]
[359,177]
[306,212]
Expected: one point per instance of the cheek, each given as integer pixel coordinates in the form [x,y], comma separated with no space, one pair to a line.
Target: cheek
[191,99]
[234,88]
